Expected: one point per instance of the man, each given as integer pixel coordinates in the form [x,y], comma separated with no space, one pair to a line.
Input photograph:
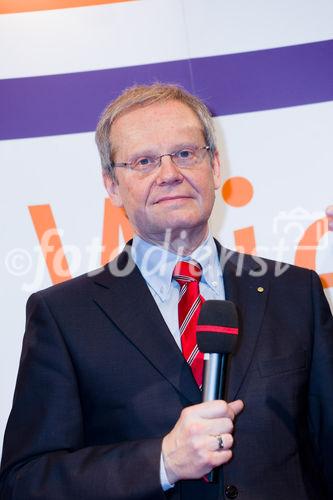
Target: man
[107,407]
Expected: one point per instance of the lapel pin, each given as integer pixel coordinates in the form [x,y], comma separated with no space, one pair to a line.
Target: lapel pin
[260,289]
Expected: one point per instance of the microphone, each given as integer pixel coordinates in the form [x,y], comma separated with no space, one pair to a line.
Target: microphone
[217,331]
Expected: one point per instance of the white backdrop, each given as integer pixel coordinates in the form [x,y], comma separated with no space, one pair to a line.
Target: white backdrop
[285,151]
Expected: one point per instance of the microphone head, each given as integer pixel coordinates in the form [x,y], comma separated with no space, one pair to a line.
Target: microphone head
[217,327]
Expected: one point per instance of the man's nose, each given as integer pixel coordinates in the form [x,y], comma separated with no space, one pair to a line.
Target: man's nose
[168,172]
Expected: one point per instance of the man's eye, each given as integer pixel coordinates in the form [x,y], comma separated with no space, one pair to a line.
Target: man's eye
[144,161]
[185,154]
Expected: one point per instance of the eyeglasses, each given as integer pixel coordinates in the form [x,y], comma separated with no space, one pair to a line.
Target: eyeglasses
[184,158]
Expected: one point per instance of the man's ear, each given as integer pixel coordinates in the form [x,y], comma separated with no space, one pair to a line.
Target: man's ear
[112,187]
[216,166]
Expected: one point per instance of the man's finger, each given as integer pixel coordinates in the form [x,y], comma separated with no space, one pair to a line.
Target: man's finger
[209,409]
[237,406]
[220,442]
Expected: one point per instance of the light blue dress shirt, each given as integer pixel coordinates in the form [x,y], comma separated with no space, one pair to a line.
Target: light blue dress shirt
[156,265]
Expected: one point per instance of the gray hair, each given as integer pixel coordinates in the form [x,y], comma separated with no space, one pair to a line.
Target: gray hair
[144,95]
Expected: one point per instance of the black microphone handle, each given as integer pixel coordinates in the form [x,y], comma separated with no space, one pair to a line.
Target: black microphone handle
[213,388]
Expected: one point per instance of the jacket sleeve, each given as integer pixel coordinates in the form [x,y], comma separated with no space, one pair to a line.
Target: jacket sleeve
[44,454]
[321,384]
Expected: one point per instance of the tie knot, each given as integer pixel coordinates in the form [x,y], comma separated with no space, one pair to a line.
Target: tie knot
[185,272]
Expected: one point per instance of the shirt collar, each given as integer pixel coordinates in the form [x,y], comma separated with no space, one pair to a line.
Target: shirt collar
[156,264]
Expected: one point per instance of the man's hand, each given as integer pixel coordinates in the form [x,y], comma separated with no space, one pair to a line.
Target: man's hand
[329,213]
[191,450]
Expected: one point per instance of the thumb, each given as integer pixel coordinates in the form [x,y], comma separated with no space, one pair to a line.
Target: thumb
[237,406]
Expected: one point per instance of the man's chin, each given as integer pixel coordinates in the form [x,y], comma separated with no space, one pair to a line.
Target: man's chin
[178,228]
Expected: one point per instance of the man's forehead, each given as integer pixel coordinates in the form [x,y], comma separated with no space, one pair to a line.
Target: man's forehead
[189,136]
[160,109]
[166,124]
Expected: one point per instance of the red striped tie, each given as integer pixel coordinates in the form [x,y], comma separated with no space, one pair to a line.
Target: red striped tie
[188,275]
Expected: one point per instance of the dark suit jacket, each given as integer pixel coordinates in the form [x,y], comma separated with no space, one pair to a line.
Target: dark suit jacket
[101,381]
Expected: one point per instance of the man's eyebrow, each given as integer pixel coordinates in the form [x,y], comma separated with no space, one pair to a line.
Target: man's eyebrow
[157,151]
[144,152]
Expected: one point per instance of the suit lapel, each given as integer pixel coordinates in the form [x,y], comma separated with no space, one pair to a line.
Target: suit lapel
[128,303]
[249,291]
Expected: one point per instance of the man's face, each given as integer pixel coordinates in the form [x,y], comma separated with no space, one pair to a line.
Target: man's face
[169,198]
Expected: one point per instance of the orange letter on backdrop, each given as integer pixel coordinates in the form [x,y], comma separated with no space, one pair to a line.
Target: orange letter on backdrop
[245,240]
[50,242]
[51,245]
[307,249]
[114,219]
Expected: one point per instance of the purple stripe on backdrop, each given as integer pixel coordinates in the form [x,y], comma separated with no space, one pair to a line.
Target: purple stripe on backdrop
[233,83]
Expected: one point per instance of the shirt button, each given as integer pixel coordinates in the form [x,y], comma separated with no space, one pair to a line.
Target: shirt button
[231,491]
[214,283]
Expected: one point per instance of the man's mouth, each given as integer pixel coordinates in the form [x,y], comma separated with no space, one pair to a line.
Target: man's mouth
[165,199]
